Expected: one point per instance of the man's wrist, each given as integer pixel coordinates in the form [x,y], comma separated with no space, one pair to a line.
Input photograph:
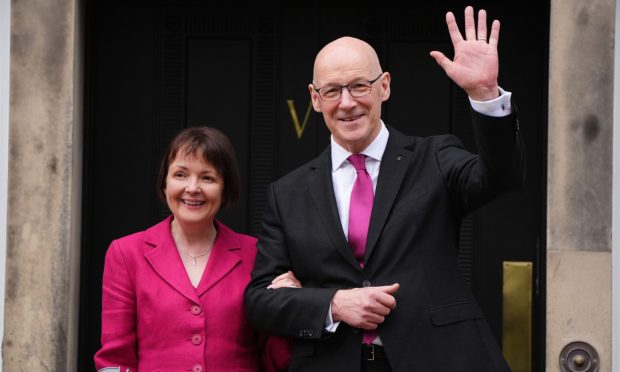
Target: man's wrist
[485,94]
[497,107]
[331,325]
[333,307]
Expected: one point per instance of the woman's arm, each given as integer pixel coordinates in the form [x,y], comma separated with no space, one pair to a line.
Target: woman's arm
[118,315]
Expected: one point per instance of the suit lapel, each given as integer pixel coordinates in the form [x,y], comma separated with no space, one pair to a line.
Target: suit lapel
[165,260]
[393,169]
[321,189]
[223,259]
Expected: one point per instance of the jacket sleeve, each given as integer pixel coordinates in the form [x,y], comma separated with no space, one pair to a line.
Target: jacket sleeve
[287,312]
[118,315]
[499,166]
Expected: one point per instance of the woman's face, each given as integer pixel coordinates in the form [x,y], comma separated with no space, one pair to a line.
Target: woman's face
[193,189]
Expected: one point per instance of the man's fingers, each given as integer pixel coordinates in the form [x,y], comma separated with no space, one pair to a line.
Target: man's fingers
[482,25]
[368,326]
[372,323]
[384,310]
[391,289]
[372,320]
[494,37]
[470,26]
[441,59]
[384,297]
[453,29]
[386,300]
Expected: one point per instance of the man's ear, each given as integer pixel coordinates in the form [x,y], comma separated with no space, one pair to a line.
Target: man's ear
[314,96]
[385,86]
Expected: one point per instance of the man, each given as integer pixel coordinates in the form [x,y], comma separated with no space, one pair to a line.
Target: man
[374,241]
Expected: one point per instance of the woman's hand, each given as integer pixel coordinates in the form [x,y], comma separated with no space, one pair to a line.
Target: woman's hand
[286,280]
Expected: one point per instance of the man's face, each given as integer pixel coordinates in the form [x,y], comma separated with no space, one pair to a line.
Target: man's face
[353,121]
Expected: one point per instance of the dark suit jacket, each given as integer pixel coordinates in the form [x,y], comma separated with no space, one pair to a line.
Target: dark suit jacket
[425,187]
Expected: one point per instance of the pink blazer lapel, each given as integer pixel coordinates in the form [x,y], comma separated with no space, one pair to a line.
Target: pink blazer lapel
[224,257]
[165,260]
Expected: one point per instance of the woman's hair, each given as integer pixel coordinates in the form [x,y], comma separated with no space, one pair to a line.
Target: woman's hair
[213,147]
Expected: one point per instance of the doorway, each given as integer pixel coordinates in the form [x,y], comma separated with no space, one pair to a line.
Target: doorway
[155,67]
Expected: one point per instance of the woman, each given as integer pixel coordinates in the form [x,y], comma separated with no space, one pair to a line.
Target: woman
[173,294]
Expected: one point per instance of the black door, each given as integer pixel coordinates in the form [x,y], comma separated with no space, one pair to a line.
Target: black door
[155,67]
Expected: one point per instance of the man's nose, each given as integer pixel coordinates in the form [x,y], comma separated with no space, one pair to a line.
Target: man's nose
[346,99]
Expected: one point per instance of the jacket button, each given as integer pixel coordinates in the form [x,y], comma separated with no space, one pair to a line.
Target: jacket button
[197,368]
[196,310]
[306,332]
[196,339]
[366,283]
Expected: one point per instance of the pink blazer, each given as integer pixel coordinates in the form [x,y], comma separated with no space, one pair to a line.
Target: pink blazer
[153,319]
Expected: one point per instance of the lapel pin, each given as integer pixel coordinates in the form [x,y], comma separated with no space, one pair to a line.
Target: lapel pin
[399,157]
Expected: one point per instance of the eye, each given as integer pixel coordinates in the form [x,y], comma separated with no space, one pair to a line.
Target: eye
[178,175]
[359,87]
[330,91]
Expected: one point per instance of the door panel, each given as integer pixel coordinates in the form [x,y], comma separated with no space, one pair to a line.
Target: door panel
[416,78]
[219,95]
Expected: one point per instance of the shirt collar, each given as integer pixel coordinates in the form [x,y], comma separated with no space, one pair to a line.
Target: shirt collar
[374,150]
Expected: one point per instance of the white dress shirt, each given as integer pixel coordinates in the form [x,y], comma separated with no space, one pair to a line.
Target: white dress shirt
[344,173]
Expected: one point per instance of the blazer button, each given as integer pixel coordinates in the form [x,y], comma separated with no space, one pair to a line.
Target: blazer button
[366,283]
[196,309]
[197,368]
[196,339]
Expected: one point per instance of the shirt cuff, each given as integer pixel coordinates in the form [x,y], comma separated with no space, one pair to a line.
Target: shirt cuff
[497,107]
[330,326]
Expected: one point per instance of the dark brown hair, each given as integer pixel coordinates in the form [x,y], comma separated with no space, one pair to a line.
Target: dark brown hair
[213,147]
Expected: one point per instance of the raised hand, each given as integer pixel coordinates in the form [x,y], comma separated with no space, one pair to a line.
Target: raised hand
[475,66]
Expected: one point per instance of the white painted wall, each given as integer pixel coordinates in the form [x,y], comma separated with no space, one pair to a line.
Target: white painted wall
[615,285]
[5,48]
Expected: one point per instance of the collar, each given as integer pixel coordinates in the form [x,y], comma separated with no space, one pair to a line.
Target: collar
[374,150]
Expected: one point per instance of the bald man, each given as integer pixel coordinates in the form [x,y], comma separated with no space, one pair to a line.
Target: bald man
[374,241]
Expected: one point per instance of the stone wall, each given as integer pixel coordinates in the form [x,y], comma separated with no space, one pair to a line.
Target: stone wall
[580,177]
[43,191]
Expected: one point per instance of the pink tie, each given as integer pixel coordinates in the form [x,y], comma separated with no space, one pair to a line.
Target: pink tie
[360,208]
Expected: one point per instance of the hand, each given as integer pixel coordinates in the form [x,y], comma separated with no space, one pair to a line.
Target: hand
[286,280]
[475,66]
[364,308]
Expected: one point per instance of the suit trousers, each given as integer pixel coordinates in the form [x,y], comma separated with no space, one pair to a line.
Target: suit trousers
[377,365]
[374,359]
